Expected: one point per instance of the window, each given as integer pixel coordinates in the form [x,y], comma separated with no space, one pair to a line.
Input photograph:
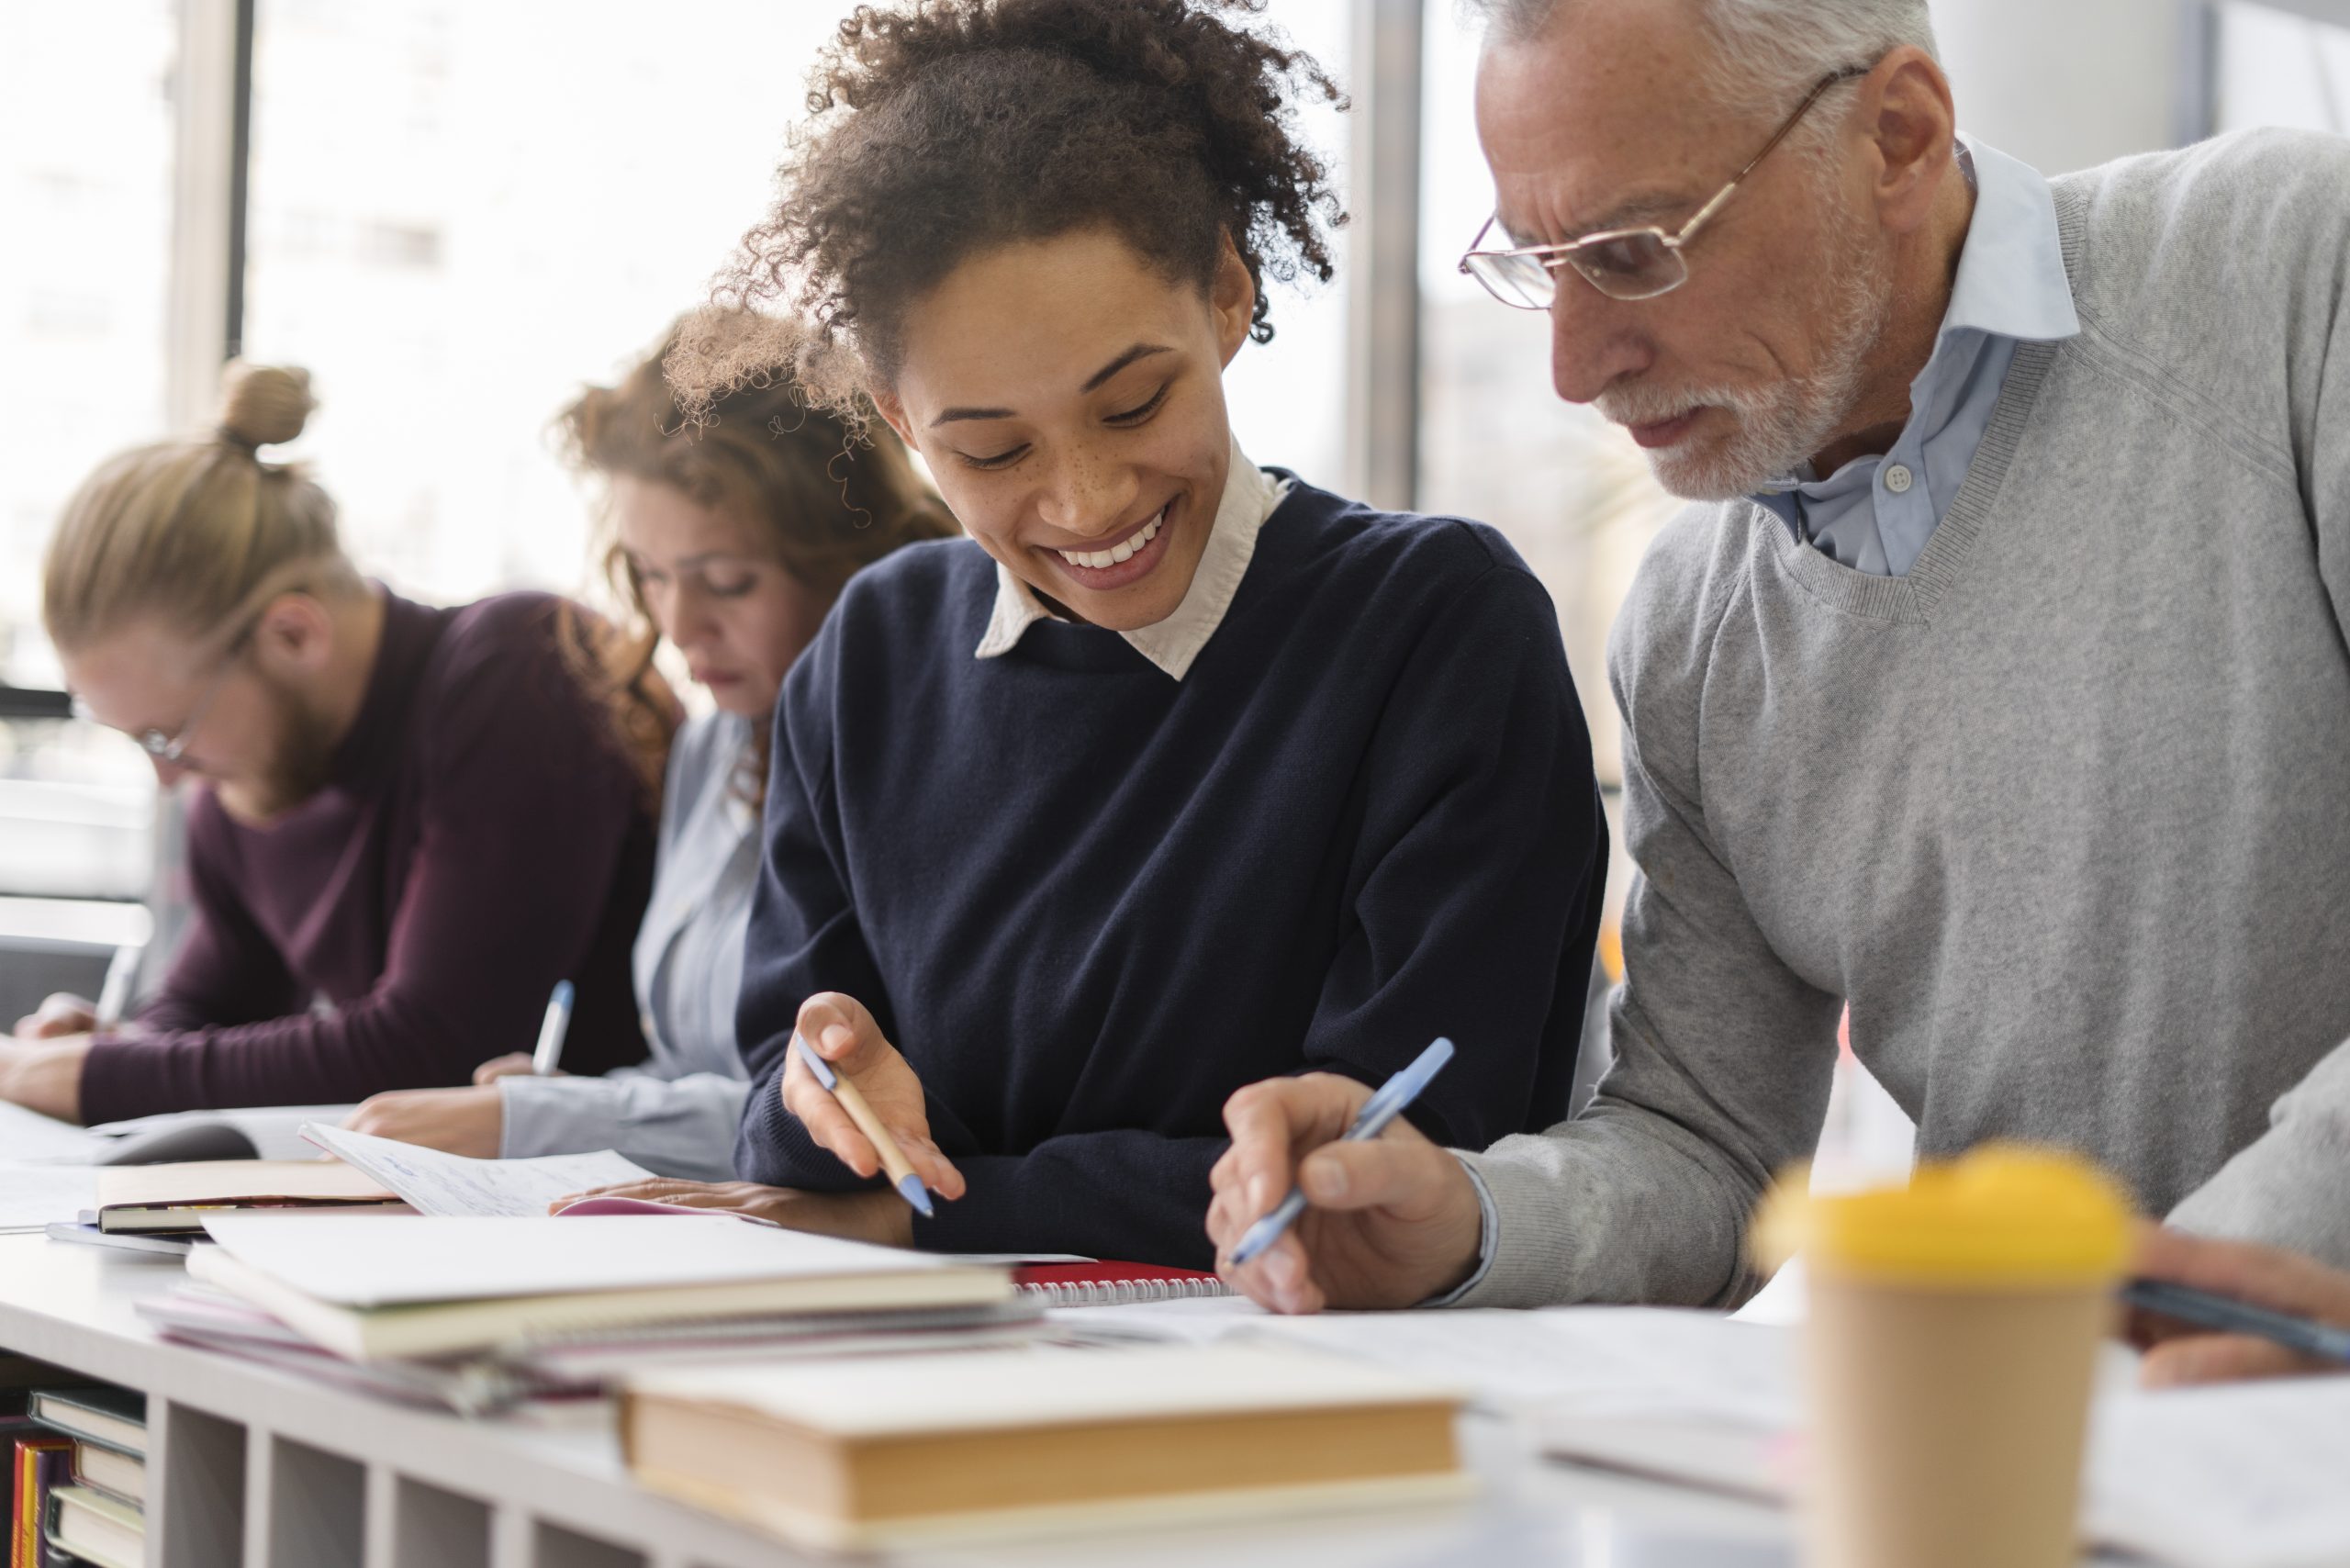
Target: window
[462,213]
[1288,397]
[86,140]
[85,178]
[2278,68]
[1570,491]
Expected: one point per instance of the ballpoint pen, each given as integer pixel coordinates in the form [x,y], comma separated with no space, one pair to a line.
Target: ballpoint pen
[894,1158]
[2227,1316]
[548,1056]
[1370,1122]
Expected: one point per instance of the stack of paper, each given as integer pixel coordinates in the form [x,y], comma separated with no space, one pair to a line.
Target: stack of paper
[366,1288]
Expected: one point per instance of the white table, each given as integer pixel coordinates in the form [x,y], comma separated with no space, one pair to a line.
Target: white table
[252,1468]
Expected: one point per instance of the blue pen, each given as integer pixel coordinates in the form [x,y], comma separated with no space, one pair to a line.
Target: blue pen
[894,1158]
[548,1055]
[1370,1122]
[2228,1315]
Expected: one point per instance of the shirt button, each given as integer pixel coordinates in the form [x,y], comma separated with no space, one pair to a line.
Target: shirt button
[1896,479]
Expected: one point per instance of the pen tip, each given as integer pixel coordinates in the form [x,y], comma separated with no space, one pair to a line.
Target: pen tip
[912,1189]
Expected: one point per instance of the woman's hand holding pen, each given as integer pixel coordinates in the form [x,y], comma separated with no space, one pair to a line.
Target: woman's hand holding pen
[839,1029]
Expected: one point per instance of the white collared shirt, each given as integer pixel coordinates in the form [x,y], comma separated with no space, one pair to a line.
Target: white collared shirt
[1250,495]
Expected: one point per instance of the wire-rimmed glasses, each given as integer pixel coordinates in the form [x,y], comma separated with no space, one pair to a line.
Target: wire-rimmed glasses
[170,747]
[1622,264]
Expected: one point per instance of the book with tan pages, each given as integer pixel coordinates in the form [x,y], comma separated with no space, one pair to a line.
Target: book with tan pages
[870,1453]
[162,1199]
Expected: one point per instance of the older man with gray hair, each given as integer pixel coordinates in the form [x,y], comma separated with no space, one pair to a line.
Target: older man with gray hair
[1997,691]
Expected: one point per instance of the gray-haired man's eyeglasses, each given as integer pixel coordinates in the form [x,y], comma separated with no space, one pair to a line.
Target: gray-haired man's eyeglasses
[1622,264]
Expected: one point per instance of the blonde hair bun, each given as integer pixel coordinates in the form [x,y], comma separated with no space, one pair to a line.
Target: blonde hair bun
[263,405]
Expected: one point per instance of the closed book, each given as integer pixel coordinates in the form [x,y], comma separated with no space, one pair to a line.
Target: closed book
[164,1199]
[40,1465]
[427,1285]
[120,1476]
[114,1416]
[97,1529]
[879,1453]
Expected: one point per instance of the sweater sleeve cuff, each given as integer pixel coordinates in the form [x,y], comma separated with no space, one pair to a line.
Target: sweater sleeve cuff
[776,1151]
[114,1087]
[1488,1233]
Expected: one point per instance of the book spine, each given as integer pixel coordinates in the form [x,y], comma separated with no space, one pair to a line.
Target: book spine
[1124,1293]
[40,1461]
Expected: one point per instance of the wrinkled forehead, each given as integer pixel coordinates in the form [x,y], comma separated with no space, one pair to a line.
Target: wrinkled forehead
[1600,121]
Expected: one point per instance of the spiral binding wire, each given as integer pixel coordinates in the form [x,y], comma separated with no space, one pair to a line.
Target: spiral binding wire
[1124,1292]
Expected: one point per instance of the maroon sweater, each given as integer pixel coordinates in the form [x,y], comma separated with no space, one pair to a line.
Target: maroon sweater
[480,837]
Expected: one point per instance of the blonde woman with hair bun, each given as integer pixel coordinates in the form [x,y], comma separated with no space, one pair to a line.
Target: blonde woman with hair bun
[405,823]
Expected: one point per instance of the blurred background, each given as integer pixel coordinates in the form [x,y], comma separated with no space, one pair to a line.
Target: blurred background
[454,214]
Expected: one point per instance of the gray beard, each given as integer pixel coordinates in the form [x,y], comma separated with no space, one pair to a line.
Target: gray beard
[1777,428]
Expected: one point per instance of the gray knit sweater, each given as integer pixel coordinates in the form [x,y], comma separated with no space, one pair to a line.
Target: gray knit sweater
[2064,813]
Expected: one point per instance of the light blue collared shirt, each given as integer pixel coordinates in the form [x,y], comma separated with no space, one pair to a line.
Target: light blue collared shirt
[1874,514]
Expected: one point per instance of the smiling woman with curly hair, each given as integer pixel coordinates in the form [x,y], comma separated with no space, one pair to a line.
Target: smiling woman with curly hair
[1177,773]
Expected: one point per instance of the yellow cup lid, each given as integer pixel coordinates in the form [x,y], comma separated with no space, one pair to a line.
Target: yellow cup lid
[2004,1216]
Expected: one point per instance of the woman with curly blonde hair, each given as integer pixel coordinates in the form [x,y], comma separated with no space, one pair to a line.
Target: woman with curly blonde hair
[731,532]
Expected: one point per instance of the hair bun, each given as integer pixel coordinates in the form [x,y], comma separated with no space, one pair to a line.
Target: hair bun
[263,405]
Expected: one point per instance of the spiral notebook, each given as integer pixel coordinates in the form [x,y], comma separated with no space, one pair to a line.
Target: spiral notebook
[1103,1283]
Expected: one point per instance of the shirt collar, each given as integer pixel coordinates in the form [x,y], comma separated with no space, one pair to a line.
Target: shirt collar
[2011,283]
[2012,280]
[1251,497]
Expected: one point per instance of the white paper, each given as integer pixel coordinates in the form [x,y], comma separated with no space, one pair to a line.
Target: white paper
[275,1130]
[1590,1359]
[29,1136]
[2252,1476]
[34,1197]
[450,1184]
[368,1261]
[1594,1360]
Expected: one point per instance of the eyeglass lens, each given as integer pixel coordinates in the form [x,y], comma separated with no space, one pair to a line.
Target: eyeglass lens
[1634,265]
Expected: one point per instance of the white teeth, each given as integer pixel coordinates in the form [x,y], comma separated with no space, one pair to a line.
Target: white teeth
[1124,550]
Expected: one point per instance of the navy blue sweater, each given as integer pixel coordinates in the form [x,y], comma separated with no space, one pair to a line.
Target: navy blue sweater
[1088,901]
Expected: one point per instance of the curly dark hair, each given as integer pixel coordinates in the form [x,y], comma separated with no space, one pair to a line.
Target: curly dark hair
[948,126]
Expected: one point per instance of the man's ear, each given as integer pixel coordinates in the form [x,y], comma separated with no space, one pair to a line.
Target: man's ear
[1906,114]
[1232,296]
[893,414]
[295,633]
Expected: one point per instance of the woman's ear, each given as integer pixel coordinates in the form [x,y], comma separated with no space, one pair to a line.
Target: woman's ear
[1232,296]
[893,414]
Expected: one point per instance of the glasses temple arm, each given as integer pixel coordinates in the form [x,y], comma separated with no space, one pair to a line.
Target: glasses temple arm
[1697,219]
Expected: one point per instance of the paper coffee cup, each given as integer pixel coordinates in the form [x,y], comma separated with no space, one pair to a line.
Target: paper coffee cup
[1949,1350]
